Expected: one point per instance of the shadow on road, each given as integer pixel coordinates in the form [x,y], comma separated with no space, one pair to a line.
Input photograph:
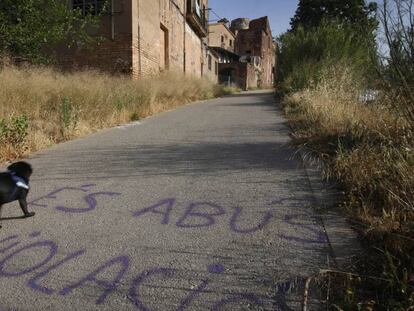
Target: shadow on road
[207,158]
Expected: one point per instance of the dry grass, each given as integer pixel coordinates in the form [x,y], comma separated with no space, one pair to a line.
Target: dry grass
[369,147]
[61,106]
[368,150]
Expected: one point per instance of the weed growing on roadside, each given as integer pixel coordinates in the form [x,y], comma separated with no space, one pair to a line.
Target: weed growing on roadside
[13,136]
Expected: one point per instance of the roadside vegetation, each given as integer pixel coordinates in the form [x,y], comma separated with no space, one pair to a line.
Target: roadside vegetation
[351,104]
[40,106]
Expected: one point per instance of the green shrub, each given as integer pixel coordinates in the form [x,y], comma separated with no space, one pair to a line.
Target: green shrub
[69,117]
[14,131]
[135,116]
[304,53]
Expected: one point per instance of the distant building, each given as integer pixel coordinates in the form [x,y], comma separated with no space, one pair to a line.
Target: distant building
[221,36]
[255,45]
[146,36]
[247,53]
[222,41]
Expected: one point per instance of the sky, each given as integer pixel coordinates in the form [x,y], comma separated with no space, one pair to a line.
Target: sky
[279,11]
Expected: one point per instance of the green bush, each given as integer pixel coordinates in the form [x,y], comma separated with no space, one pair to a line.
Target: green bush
[304,53]
[69,117]
[14,131]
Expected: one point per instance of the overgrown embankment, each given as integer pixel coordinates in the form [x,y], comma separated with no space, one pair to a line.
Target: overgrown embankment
[367,147]
[41,106]
[368,150]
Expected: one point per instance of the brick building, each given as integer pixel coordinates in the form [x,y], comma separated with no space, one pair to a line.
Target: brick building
[144,37]
[247,53]
[255,45]
[221,36]
[221,41]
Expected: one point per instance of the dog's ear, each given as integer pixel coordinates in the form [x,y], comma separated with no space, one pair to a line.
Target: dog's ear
[21,168]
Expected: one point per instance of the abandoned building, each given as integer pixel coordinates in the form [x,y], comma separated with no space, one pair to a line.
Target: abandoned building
[221,41]
[245,50]
[145,36]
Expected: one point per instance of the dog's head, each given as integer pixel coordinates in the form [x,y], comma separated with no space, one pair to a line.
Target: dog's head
[21,169]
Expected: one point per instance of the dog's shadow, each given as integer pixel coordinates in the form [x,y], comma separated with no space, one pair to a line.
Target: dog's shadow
[12,218]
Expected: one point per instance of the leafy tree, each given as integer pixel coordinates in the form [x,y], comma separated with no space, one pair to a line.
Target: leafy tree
[304,54]
[324,33]
[310,13]
[30,28]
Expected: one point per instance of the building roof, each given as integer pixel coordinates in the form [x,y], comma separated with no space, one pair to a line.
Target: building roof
[225,26]
[221,51]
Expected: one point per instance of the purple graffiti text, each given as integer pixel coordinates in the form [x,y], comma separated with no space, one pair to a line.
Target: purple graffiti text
[168,203]
[319,235]
[109,286]
[10,246]
[52,195]
[204,212]
[52,249]
[134,294]
[201,215]
[90,200]
[266,219]
[33,282]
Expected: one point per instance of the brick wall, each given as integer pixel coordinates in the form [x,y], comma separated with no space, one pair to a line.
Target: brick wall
[268,60]
[242,75]
[176,26]
[210,70]
[166,41]
[114,54]
[193,53]
[146,40]
[221,36]
[249,42]
[142,38]
[172,19]
[258,41]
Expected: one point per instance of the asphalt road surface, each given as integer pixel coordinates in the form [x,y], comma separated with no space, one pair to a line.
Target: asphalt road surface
[206,207]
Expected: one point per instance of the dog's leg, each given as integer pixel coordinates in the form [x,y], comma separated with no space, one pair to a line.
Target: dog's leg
[23,206]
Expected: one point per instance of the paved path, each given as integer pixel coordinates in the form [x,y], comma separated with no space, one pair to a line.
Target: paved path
[201,208]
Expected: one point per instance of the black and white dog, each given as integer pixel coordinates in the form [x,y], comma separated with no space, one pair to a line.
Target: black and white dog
[14,186]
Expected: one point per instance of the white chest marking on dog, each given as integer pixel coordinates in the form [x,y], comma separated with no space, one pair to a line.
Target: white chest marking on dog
[22,185]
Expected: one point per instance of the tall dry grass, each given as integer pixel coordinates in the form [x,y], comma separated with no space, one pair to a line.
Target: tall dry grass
[368,146]
[369,150]
[55,106]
